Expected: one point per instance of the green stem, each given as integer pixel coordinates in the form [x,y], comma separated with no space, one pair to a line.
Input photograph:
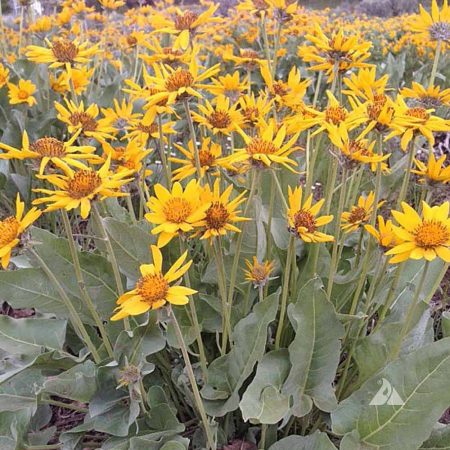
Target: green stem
[435,62]
[112,256]
[49,401]
[193,137]
[81,284]
[77,323]
[405,183]
[162,153]
[284,295]
[262,441]
[193,382]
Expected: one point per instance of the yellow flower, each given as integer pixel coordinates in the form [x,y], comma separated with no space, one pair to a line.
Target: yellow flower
[409,122]
[177,211]
[22,93]
[129,157]
[254,110]
[41,25]
[4,75]
[359,214]
[153,289]
[78,118]
[430,97]
[434,170]
[186,24]
[267,149]
[209,155]
[422,237]
[163,55]
[248,58]
[385,235]
[365,84]
[303,220]
[258,273]
[356,151]
[222,213]
[80,188]
[121,117]
[436,25]
[61,52]
[111,4]
[80,80]
[229,85]
[337,53]
[11,228]
[220,118]
[51,150]
[172,85]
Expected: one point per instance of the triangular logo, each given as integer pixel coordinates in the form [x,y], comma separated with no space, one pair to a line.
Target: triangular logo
[386,395]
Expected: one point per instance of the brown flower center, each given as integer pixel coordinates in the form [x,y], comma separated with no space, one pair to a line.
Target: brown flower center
[149,129]
[131,41]
[9,229]
[357,147]
[87,122]
[418,113]
[152,288]
[279,88]
[180,79]
[207,159]
[48,147]
[304,219]
[258,145]
[177,210]
[83,184]
[249,54]
[357,214]
[23,95]
[374,109]
[185,21]
[335,114]
[431,234]
[217,216]
[219,119]
[65,51]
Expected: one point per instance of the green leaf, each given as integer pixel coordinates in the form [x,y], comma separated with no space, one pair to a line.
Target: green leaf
[316,441]
[263,400]
[77,383]
[421,381]
[227,373]
[131,245]
[141,342]
[97,271]
[445,323]
[439,439]
[314,352]
[19,336]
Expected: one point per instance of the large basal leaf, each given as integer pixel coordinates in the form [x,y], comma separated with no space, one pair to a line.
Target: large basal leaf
[20,336]
[421,381]
[316,441]
[131,245]
[77,383]
[263,400]
[439,439]
[314,352]
[97,271]
[227,373]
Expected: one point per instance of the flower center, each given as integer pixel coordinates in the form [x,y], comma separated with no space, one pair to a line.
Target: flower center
[83,183]
[304,219]
[374,109]
[335,114]
[219,119]
[440,31]
[431,234]
[177,210]
[249,54]
[358,214]
[152,288]
[149,129]
[250,114]
[418,113]
[22,94]
[207,159]
[185,21]
[131,41]
[48,146]
[216,216]
[357,147]
[65,51]
[258,145]
[9,228]
[179,79]
[87,122]
[171,52]
[279,88]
